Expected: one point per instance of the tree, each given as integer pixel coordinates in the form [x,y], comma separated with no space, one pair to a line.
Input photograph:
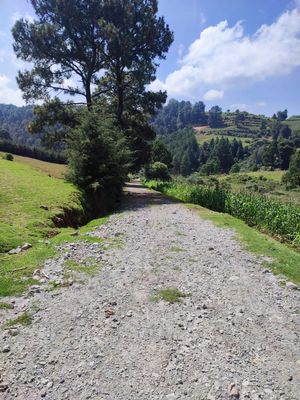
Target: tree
[160,153]
[198,113]
[135,39]
[110,48]
[215,117]
[97,153]
[270,154]
[282,115]
[292,177]
[285,151]
[285,131]
[80,40]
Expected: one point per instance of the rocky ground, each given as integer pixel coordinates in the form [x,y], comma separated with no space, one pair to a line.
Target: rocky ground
[107,336]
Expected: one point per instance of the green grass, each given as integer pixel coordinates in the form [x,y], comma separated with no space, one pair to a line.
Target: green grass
[6,306]
[170,295]
[51,169]
[24,319]
[294,123]
[273,175]
[201,138]
[286,261]
[23,189]
[90,269]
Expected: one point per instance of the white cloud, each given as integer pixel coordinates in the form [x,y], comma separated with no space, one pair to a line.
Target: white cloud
[224,56]
[9,95]
[213,94]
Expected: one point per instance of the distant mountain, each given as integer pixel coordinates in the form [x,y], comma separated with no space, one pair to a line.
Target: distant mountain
[13,124]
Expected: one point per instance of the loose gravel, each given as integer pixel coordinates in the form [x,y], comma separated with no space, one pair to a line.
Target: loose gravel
[105,336]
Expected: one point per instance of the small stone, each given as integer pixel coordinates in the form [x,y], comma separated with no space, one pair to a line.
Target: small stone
[15,251]
[291,286]
[26,246]
[129,314]
[266,271]
[43,207]
[43,392]
[50,385]
[3,387]
[6,349]
[76,233]
[233,391]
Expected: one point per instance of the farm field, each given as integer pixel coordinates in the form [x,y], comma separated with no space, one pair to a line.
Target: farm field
[267,183]
[207,137]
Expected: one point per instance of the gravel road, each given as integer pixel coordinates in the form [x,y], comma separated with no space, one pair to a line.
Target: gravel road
[234,335]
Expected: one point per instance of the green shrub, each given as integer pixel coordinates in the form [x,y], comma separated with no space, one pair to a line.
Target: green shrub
[8,157]
[159,171]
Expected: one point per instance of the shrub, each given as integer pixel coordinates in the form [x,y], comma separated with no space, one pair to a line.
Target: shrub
[8,157]
[159,171]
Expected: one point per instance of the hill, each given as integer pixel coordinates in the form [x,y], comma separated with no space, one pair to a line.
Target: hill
[32,206]
[13,124]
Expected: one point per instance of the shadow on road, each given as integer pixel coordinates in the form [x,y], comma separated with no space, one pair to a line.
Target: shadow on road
[136,196]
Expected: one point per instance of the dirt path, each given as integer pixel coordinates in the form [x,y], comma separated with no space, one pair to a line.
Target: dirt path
[235,335]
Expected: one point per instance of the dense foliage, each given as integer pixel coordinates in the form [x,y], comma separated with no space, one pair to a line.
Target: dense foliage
[13,124]
[185,151]
[177,115]
[38,153]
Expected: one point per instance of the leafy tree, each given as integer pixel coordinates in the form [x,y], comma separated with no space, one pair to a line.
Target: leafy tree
[282,115]
[110,45]
[215,117]
[292,177]
[270,155]
[285,151]
[198,115]
[158,170]
[160,153]
[285,132]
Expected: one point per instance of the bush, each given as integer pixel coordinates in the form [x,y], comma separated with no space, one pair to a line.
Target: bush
[159,171]
[8,157]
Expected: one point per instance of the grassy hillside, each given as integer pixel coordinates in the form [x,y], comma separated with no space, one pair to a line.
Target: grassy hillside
[51,169]
[23,190]
[246,130]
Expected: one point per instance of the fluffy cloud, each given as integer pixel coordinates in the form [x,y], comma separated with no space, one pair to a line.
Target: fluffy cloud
[213,94]
[224,55]
[9,95]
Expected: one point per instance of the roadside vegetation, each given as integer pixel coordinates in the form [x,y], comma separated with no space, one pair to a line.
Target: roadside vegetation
[281,221]
[33,206]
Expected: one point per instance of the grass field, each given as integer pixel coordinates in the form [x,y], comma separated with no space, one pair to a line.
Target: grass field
[201,138]
[265,182]
[23,190]
[51,169]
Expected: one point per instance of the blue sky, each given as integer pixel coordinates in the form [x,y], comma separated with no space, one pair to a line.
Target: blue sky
[234,53]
